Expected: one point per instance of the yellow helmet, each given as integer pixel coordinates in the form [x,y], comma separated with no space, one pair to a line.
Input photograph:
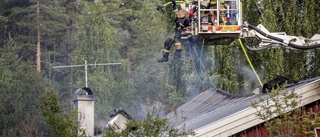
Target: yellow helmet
[215,2]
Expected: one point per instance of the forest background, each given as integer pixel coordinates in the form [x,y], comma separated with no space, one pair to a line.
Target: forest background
[131,32]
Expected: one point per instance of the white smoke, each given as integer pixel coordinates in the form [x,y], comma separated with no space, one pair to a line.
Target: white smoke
[251,80]
[156,109]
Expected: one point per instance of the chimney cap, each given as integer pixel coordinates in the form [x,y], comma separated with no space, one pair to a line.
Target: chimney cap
[88,97]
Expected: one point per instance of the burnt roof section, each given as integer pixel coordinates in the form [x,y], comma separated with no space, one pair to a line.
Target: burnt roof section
[213,105]
[119,110]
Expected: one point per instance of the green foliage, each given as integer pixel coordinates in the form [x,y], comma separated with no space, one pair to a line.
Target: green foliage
[98,41]
[132,32]
[20,86]
[282,117]
[294,17]
[61,125]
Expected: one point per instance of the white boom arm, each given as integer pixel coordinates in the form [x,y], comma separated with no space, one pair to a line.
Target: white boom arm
[278,39]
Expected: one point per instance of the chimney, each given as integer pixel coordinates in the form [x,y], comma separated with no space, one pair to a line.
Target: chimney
[84,103]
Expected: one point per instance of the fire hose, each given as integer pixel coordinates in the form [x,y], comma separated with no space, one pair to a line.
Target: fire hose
[201,65]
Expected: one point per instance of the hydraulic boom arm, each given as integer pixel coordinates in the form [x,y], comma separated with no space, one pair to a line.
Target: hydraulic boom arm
[278,39]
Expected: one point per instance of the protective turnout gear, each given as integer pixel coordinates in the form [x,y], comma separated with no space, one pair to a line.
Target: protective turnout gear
[164,57]
[178,53]
[168,43]
[190,39]
[213,14]
[181,14]
[182,21]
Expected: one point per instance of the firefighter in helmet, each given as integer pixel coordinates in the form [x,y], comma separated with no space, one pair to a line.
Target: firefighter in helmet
[213,14]
[182,20]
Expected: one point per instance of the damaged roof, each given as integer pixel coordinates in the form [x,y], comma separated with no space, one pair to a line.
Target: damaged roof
[214,105]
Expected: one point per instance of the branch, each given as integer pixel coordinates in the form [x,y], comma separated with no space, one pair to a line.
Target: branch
[260,12]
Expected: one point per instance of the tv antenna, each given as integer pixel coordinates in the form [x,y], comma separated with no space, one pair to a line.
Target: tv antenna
[85,67]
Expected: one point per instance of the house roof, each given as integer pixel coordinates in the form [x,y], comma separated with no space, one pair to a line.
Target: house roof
[216,112]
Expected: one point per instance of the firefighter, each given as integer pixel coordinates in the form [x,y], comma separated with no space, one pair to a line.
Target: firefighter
[182,20]
[213,5]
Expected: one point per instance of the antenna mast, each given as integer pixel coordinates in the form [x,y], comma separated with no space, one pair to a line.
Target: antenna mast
[85,67]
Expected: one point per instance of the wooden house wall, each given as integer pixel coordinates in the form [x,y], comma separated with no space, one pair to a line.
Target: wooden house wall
[261,131]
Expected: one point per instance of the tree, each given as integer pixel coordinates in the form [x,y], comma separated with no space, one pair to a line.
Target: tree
[20,86]
[131,32]
[98,40]
[38,38]
[282,116]
[294,17]
[61,125]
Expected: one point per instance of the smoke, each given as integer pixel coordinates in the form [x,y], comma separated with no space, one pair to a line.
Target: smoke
[157,109]
[196,79]
[251,81]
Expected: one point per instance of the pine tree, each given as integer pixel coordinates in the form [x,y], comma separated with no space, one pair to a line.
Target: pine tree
[20,86]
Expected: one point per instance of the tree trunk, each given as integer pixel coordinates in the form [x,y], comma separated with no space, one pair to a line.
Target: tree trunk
[54,50]
[38,41]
